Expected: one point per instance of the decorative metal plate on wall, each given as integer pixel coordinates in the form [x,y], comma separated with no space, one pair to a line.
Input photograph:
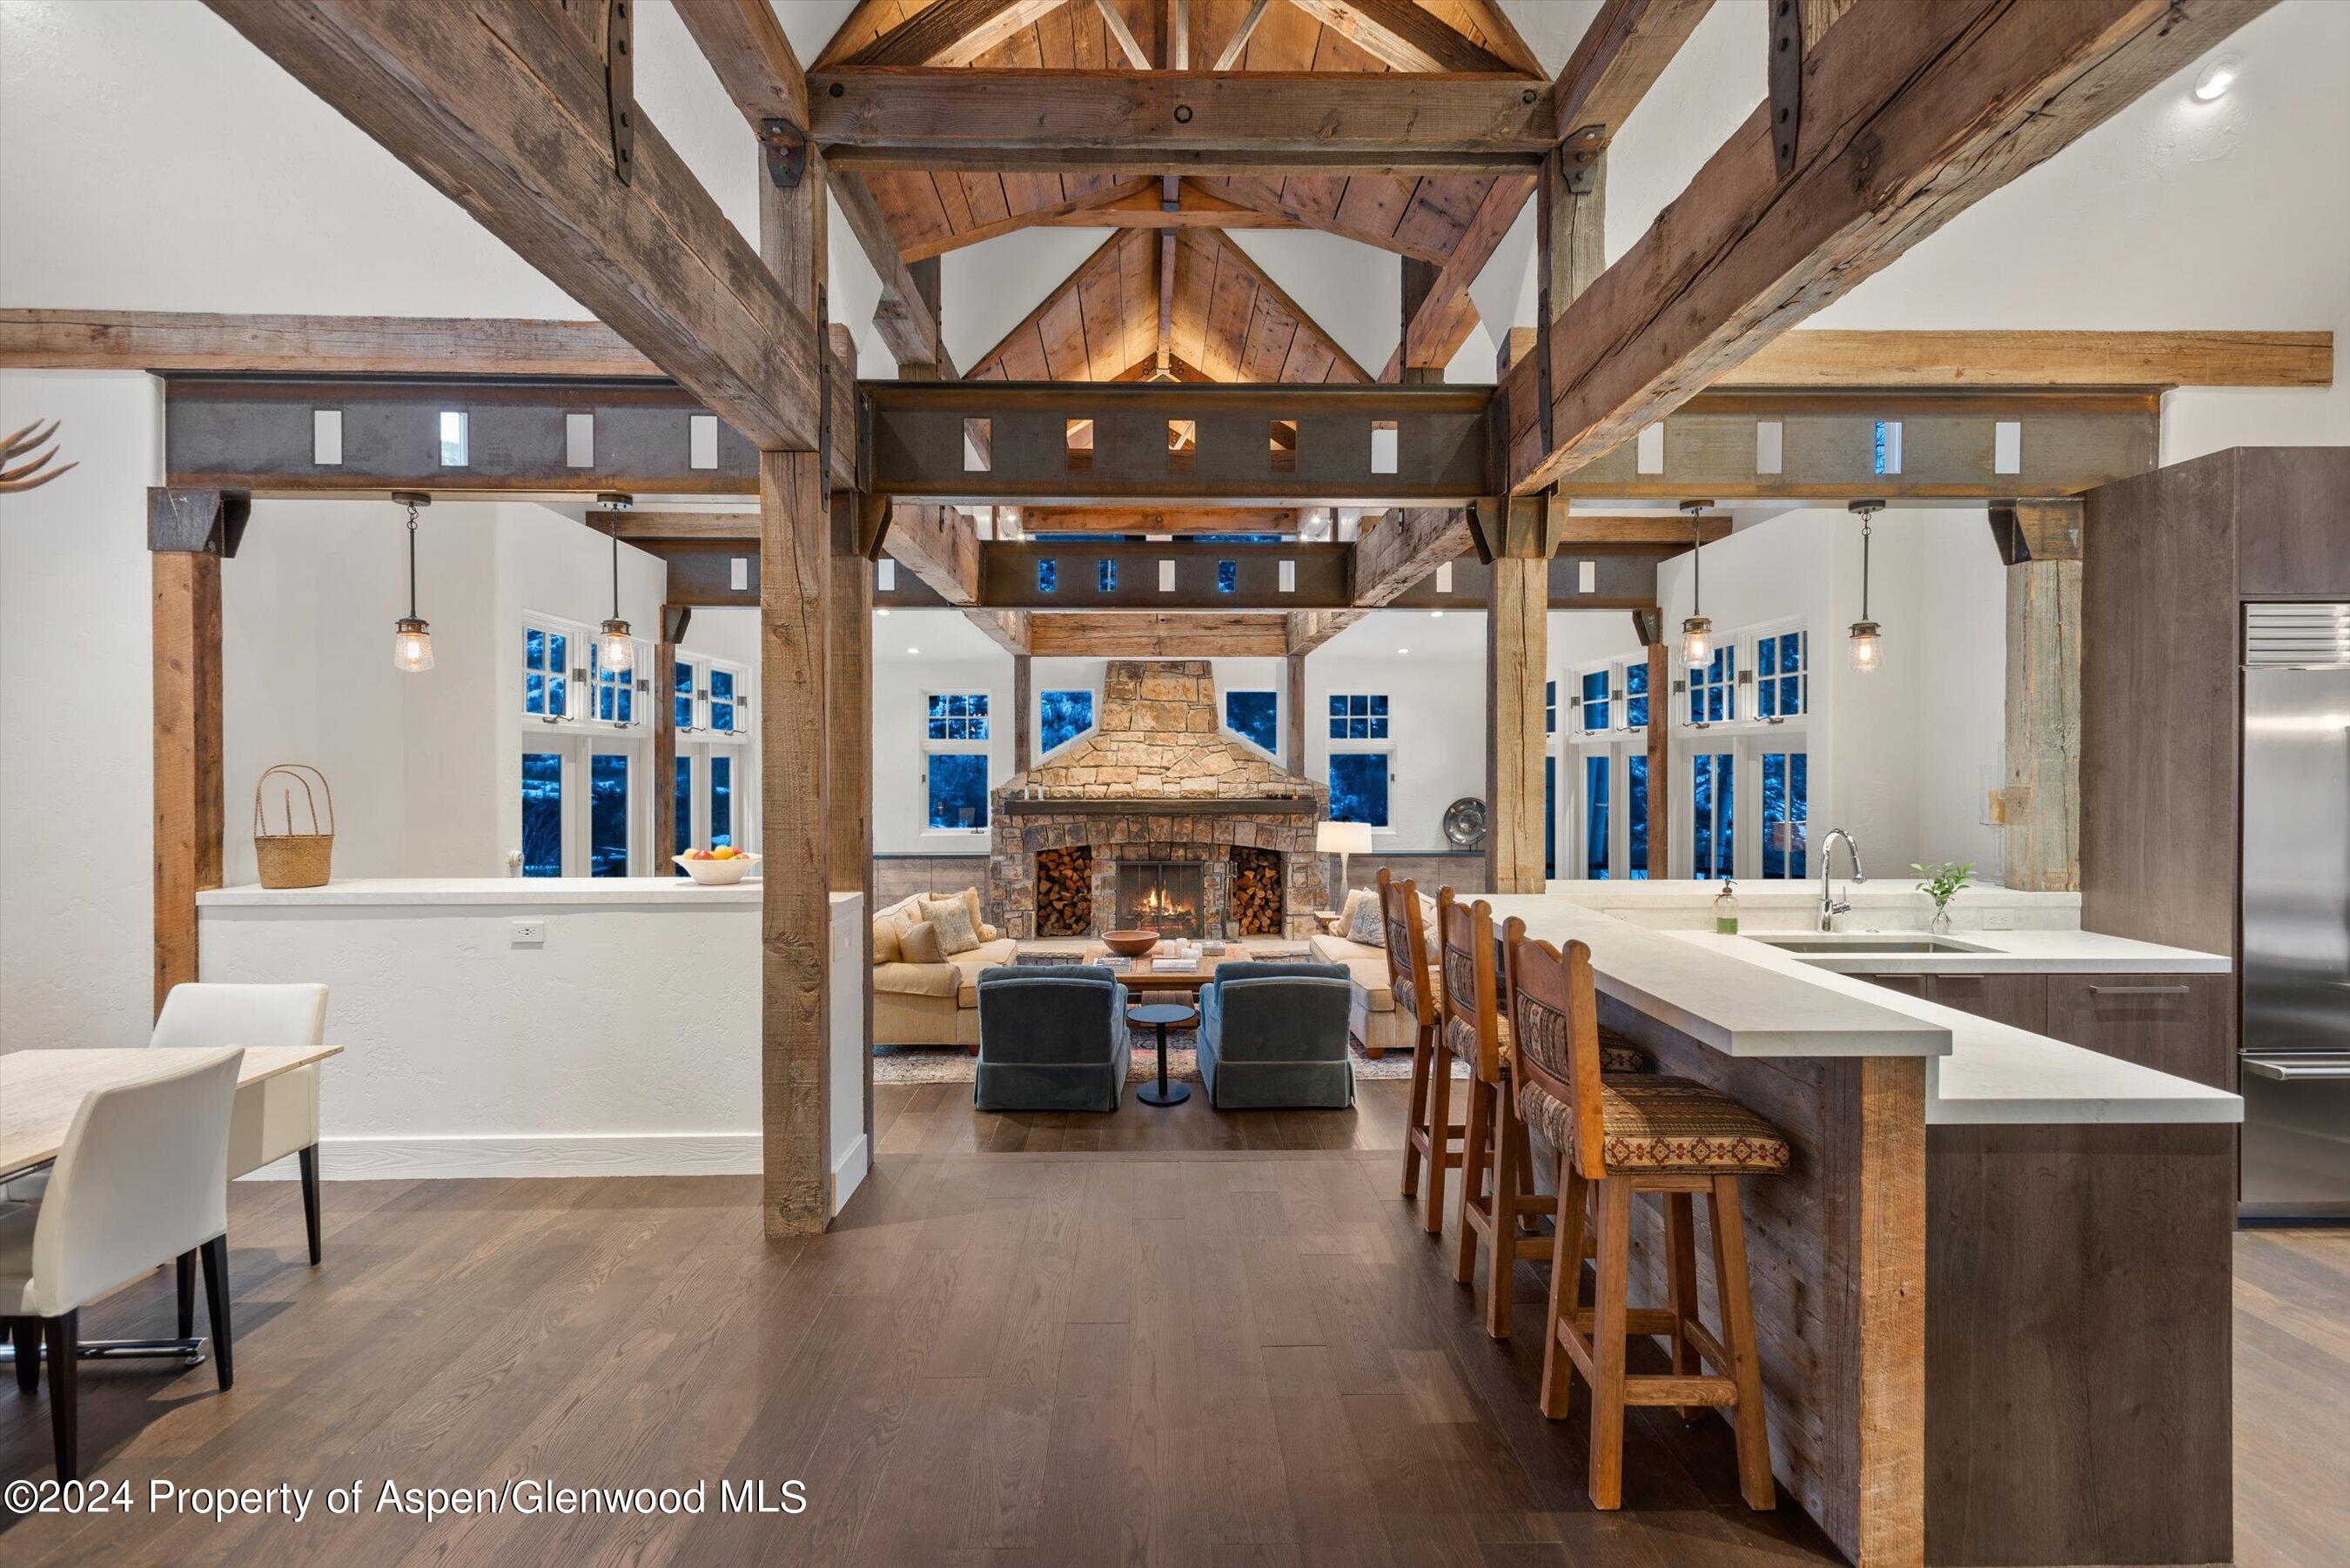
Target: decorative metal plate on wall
[1464,823]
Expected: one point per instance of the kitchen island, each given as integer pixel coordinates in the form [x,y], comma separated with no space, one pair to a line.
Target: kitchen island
[1992,1294]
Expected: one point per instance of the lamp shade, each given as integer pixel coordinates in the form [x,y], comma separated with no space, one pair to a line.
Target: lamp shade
[1343,837]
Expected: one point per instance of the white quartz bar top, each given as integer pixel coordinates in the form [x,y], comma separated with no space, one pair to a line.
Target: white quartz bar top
[1719,999]
[2002,952]
[1997,1073]
[501,892]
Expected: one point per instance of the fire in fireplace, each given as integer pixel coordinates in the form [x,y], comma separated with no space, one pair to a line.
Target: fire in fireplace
[1165,895]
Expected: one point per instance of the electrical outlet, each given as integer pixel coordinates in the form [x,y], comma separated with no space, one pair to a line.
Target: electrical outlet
[1999,919]
[528,933]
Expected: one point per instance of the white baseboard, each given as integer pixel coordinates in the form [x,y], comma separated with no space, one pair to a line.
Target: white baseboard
[610,1154]
[849,1172]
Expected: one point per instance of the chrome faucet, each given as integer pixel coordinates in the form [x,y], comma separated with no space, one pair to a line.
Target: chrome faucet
[1830,905]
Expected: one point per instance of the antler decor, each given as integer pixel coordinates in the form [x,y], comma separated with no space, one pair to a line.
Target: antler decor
[37,472]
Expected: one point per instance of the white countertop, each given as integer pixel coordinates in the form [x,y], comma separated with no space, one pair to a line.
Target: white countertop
[510,892]
[1996,1073]
[1998,952]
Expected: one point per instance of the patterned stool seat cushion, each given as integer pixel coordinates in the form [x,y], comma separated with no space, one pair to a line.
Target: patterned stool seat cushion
[1666,1125]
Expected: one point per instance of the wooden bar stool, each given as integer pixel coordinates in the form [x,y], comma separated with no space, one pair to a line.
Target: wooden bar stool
[1499,1205]
[1615,1137]
[1432,1095]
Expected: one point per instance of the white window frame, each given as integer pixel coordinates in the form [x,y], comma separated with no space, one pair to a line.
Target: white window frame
[1751,640]
[1745,644]
[983,747]
[1360,742]
[1384,750]
[549,628]
[1746,747]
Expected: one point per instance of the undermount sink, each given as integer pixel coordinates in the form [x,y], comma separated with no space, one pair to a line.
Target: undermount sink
[1862,944]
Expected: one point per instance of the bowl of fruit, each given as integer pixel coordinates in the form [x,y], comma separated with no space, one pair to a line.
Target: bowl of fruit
[720,868]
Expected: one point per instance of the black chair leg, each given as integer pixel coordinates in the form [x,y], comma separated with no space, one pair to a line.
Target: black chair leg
[186,1267]
[25,1333]
[65,1340]
[309,1157]
[215,1256]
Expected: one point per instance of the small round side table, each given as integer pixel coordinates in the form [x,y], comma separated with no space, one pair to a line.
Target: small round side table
[1163,1016]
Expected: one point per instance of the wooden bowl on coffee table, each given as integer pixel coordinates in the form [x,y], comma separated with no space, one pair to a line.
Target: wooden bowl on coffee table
[1129,944]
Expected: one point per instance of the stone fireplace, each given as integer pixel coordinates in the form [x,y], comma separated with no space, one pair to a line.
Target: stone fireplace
[1157,800]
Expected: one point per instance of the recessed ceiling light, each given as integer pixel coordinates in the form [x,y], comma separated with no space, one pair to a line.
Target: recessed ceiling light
[913,650]
[2217,77]
[881,609]
[1436,615]
[1402,652]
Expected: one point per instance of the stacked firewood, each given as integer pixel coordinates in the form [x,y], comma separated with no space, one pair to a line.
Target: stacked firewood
[1064,892]
[1256,892]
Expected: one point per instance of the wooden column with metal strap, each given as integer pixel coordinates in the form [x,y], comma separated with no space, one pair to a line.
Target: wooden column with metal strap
[1293,758]
[190,531]
[1024,699]
[673,620]
[2039,805]
[1518,534]
[796,584]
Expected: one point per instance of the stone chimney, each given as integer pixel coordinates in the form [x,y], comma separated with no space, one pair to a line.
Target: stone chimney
[1161,736]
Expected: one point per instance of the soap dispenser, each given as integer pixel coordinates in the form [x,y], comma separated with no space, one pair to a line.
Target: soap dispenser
[1725,910]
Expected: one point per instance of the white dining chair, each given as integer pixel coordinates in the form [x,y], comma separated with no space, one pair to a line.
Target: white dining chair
[276,1117]
[142,1177]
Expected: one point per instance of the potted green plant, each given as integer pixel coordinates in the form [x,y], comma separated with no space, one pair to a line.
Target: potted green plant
[1943,884]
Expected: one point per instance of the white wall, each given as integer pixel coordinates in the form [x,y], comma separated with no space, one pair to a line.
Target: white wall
[1433,672]
[954,656]
[76,698]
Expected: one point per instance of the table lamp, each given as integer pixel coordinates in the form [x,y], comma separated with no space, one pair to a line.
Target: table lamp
[1343,839]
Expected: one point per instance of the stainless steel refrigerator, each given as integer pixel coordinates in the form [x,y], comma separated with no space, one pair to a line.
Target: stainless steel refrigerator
[2295,1061]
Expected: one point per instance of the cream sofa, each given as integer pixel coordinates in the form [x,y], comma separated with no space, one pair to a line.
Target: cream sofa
[933,1003]
[1372,1018]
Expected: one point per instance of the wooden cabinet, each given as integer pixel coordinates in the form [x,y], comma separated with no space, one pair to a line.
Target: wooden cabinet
[2016,999]
[2182,1024]
[1906,984]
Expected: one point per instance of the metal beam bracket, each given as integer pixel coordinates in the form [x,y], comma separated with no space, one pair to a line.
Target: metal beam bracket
[197,519]
[787,148]
[620,87]
[1786,74]
[1578,158]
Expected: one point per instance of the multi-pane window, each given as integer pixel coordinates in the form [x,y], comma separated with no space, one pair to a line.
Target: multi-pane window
[1786,816]
[1635,695]
[541,814]
[1593,704]
[1713,815]
[615,699]
[722,800]
[1712,691]
[1636,811]
[958,716]
[723,687]
[1781,667]
[1063,716]
[1358,716]
[546,679]
[1358,787]
[957,787]
[607,814]
[682,692]
[681,805]
[1597,843]
[1255,716]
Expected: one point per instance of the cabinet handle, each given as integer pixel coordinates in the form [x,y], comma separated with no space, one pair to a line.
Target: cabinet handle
[1975,977]
[2137,991]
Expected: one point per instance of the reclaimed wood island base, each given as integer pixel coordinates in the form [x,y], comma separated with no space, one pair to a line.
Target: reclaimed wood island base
[1993,1327]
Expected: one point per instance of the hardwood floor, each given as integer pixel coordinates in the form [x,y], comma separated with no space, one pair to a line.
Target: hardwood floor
[1166,1337]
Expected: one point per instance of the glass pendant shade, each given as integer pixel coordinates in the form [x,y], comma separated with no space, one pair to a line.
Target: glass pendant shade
[411,646]
[1697,640]
[615,649]
[1867,647]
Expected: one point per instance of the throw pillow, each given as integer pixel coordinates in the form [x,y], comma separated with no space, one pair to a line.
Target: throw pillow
[887,948]
[952,921]
[1361,921]
[978,915]
[919,943]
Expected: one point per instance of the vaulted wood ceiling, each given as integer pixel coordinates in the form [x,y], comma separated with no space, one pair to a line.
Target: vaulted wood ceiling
[1230,322]
[1225,320]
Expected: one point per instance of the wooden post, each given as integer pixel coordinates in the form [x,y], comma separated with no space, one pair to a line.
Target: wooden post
[795,577]
[1570,230]
[1024,724]
[1295,757]
[848,741]
[2040,806]
[674,618]
[1517,661]
[1418,280]
[1660,761]
[189,531]
[925,276]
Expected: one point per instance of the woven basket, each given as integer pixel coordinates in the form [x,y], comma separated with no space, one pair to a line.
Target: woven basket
[291,859]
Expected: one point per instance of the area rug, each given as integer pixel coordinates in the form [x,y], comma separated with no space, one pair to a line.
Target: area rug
[954,1065]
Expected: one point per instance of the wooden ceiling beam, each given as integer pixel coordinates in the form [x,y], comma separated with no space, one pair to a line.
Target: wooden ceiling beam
[953,32]
[1036,519]
[1404,546]
[1446,317]
[1073,211]
[1228,58]
[1401,35]
[1150,634]
[638,527]
[1140,207]
[1826,358]
[1266,195]
[1306,630]
[744,44]
[1617,60]
[937,544]
[992,120]
[908,327]
[502,106]
[338,345]
[1910,114]
[1009,629]
[1114,23]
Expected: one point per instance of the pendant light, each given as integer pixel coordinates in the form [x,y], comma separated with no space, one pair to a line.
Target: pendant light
[1697,631]
[616,650]
[1867,644]
[412,640]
